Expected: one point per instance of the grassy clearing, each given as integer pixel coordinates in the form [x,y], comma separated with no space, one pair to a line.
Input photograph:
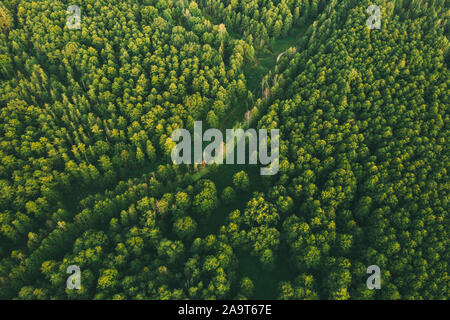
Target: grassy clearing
[266,58]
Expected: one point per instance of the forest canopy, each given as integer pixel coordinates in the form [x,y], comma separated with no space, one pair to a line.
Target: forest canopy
[86,117]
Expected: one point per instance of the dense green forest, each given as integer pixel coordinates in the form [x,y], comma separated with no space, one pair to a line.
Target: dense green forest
[86,178]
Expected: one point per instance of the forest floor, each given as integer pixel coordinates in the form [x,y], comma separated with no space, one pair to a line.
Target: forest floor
[264,61]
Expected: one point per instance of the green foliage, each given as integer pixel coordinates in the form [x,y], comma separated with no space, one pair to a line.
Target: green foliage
[86,177]
[228,195]
[206,200]
[185,227]
[241,181]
